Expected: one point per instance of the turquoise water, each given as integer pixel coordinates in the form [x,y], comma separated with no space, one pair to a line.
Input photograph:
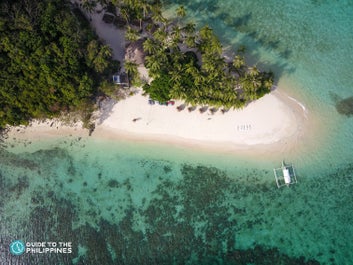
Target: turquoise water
[143,203]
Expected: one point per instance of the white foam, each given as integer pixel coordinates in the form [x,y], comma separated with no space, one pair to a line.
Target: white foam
[300,104]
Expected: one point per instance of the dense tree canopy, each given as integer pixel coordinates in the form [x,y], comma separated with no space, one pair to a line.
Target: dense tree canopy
[159,88]
[197,69]
[50,61]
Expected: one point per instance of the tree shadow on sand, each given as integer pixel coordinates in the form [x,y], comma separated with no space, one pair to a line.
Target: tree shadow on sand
[106,108]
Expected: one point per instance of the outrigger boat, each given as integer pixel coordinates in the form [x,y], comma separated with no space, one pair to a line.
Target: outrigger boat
[285,175]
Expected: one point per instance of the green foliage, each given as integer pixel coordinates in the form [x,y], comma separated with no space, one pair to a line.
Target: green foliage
[108,88]
[131,70]
[210,81]
[50,61]
[98,56]
[131,34]
[159,88]
[181,12]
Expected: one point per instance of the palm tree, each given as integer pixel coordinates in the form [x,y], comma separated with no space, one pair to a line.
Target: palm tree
[175,76]
[145,6]
[214,45]
[157,15]
[162,57]
[208,64]
[139,16]
[256,82]
[160,35]
[253,71]
[177,58]
[177,92]
[191,69]
[124,12]
[101,60]
[268,83]
[188,34]
[176,32]
[181,12]
[156,8]
[131,34]
[89,5]
[131,69]
[150,46]
[206,33]
[106,51]
[208,42]
[190,41]
[199,79]
[189,28]
[238,63]
[153,64]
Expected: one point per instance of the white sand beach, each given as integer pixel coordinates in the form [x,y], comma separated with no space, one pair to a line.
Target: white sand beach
[265,121]
[273,122]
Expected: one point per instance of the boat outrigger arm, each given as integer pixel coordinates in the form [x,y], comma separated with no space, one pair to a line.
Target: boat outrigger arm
[285,175]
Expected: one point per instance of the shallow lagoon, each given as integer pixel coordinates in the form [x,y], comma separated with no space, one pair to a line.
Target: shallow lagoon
[127,204]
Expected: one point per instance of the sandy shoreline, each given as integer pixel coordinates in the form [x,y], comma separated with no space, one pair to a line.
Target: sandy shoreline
[275,122]
[266,121]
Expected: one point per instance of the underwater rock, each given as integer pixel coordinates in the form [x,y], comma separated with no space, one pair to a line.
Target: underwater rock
[113,183]
[345,106]
[167,169]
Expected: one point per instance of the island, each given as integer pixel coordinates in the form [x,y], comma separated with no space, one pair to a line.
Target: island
[125,70]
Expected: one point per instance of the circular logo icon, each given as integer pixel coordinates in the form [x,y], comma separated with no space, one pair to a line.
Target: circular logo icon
[17,247]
